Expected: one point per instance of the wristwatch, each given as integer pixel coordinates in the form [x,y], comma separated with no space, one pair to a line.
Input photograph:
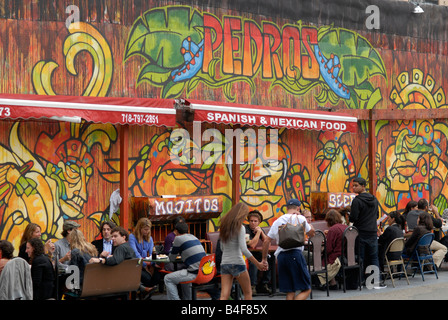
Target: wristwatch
[101,260]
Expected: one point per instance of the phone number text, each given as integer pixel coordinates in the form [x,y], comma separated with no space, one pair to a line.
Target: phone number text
[140,118]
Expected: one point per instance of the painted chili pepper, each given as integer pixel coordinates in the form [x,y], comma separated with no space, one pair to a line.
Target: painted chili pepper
[329,69]
[193,56]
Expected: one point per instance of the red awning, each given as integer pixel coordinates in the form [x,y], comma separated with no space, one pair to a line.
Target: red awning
[143,111]
[251,115]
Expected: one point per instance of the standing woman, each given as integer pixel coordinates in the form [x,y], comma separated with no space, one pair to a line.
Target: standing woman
[32,230]
[233,245]
[42,272]
[142,244]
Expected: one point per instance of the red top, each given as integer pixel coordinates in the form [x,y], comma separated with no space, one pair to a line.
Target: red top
[334,242]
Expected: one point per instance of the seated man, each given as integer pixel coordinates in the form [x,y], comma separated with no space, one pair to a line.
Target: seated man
[256,234]
[104,246]
[122,251]
[191,251]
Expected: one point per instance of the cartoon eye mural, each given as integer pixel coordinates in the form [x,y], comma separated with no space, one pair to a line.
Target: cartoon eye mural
[193,55]
[329,69]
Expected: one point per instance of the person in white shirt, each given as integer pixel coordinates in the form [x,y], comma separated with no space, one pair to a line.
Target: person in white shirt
[293,275]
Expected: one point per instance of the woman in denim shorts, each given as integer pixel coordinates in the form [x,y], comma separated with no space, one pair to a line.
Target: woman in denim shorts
[233,245]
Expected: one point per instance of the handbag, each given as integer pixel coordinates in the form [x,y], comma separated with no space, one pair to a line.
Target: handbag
[291,235]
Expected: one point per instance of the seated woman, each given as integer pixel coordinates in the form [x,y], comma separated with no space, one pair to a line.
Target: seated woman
[424,226]
[395,230]
[142,244]
[42,272]
[334,249]
[81,252]
[6,253]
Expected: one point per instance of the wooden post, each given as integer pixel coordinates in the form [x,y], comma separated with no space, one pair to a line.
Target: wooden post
[124,183]
[372,154]
[235,168]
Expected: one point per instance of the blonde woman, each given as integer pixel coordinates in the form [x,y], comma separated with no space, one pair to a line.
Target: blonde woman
[142,244]
[233,246]
[81,251]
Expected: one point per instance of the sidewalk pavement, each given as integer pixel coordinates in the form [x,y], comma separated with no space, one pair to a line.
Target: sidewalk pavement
[430,289]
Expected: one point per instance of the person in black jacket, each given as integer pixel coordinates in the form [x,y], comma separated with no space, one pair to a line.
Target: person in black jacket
[105,246]
[42,272]
[395,230]
[364,214]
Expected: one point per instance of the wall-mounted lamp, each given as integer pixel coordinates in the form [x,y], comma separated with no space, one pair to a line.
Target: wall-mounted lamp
[417,9]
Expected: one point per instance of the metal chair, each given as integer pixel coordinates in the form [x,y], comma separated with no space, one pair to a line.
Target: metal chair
[396,246]
[317,264]
[350,258]
[422,255]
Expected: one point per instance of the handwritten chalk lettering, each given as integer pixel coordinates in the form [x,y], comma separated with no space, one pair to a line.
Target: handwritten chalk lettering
[340,200]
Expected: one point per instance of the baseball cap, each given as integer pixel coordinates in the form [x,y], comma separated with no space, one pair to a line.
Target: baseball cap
[294,202]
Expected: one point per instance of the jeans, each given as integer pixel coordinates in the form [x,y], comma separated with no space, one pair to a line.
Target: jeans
[368,250]
[173,279]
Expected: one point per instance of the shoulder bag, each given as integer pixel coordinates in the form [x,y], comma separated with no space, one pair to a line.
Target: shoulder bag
[291,235]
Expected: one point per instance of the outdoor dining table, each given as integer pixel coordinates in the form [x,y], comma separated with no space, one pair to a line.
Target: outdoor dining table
[162,259]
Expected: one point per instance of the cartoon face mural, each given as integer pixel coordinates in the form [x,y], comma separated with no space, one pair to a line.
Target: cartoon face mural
[336,163]
[50,184]
[413,162]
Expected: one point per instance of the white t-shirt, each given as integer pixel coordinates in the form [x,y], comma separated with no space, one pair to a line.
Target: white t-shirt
[284,219]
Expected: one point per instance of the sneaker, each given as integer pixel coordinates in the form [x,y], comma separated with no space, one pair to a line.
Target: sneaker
[254,290]
[380,286]
[263,289]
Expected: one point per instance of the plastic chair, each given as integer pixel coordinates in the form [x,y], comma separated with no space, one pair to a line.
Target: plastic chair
[396,246]
[206,273]
[350,258]
[423,256]
[318,246]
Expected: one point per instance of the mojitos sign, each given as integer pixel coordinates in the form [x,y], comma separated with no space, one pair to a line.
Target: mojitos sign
[184,47]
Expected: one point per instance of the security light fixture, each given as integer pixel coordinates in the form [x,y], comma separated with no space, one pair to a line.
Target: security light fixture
[417,9]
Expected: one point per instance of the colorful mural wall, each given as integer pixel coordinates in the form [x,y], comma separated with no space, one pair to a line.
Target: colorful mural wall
[54,171]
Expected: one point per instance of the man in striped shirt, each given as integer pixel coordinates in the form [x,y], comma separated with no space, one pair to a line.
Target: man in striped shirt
[190,249]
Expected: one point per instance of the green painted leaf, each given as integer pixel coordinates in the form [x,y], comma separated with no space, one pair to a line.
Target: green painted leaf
[154,74]
[172,90]
[159,33]
[359,60]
